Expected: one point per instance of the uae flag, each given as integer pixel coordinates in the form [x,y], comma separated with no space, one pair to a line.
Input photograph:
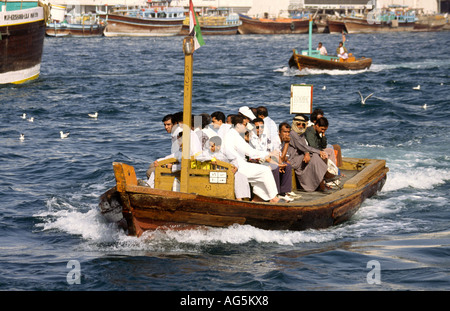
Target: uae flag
[194,27]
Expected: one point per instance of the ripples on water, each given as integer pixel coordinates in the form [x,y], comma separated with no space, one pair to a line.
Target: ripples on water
[50,187]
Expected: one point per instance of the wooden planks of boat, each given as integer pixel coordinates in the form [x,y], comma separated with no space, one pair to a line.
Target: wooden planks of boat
[336,26]
[272,26]
[139,208]
[360,25]
[300,61]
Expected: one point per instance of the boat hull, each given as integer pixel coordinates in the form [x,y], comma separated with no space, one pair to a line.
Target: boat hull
[119,25]
[21,44]
[302,61]
[336,26]
[74,30]
[140,208]
[262,26]
[363,26]
[222,30]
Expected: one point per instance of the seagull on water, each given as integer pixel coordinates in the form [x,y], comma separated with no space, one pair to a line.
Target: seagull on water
[324,88]
[64,135]
[424,106]
[93,115]
[24,116]
[22,137]
[31,119]
[363,100]
[417,87]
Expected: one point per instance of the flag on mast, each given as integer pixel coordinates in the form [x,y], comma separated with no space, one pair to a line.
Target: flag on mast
[194,27]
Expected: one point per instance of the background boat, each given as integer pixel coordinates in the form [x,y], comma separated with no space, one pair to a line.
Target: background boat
[311,58]
[85,25]
[22,32]
[218,21]
[272,26]
[148,21]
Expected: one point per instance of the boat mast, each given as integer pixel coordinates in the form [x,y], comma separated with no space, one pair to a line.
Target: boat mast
[310,36]
[188,49]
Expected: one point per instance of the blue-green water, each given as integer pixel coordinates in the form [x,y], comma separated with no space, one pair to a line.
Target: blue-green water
[50,188]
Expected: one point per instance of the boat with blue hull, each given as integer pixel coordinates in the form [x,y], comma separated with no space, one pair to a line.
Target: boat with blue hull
[22,32]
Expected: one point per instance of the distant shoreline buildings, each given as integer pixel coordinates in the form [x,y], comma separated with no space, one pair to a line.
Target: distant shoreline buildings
[271,8]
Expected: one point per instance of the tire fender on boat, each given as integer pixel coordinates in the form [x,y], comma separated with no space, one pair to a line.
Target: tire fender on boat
[292,26]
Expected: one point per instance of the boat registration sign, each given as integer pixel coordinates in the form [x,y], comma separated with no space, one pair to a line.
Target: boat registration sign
[301,98]
[217,177]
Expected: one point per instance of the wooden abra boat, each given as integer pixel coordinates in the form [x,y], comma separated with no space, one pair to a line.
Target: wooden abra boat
[313,59]
[22,32]
[272,26]
[208,203]
[206,194]
[330,62]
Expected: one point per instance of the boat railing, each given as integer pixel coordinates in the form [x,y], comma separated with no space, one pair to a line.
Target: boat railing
[211,178]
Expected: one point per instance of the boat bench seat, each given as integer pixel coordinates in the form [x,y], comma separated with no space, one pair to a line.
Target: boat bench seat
[205,178]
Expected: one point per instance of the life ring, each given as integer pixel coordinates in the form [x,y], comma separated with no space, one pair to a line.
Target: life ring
[292,26]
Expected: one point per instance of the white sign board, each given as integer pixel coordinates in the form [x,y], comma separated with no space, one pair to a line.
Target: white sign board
[301,98]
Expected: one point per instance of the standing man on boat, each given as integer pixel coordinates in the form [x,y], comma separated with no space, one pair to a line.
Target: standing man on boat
[341,51]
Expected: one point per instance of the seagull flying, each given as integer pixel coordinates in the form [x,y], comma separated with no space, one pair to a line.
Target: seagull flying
[24,116]
[93,115]
[63,135]
[416,87]
[22,137]
[363,100]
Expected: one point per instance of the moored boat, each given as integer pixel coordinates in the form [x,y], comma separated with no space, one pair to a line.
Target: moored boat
[215,22]
[272,26]
[313,59]
[336,26]
[88,25]
[22,32]
[430,23]
[148,21]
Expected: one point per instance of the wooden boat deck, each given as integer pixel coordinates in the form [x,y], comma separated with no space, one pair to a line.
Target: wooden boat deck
[313,195]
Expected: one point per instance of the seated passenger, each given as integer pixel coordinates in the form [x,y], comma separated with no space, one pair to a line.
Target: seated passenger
[282,171]
[270,127]
[241,186]
[260,176]
[218,122]
[341,51]
[195,151]
[308,162]
[315,136]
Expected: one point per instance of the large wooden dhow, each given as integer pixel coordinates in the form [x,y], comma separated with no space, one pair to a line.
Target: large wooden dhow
[22,32]
[143,22]
[206,194]
[268,26]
